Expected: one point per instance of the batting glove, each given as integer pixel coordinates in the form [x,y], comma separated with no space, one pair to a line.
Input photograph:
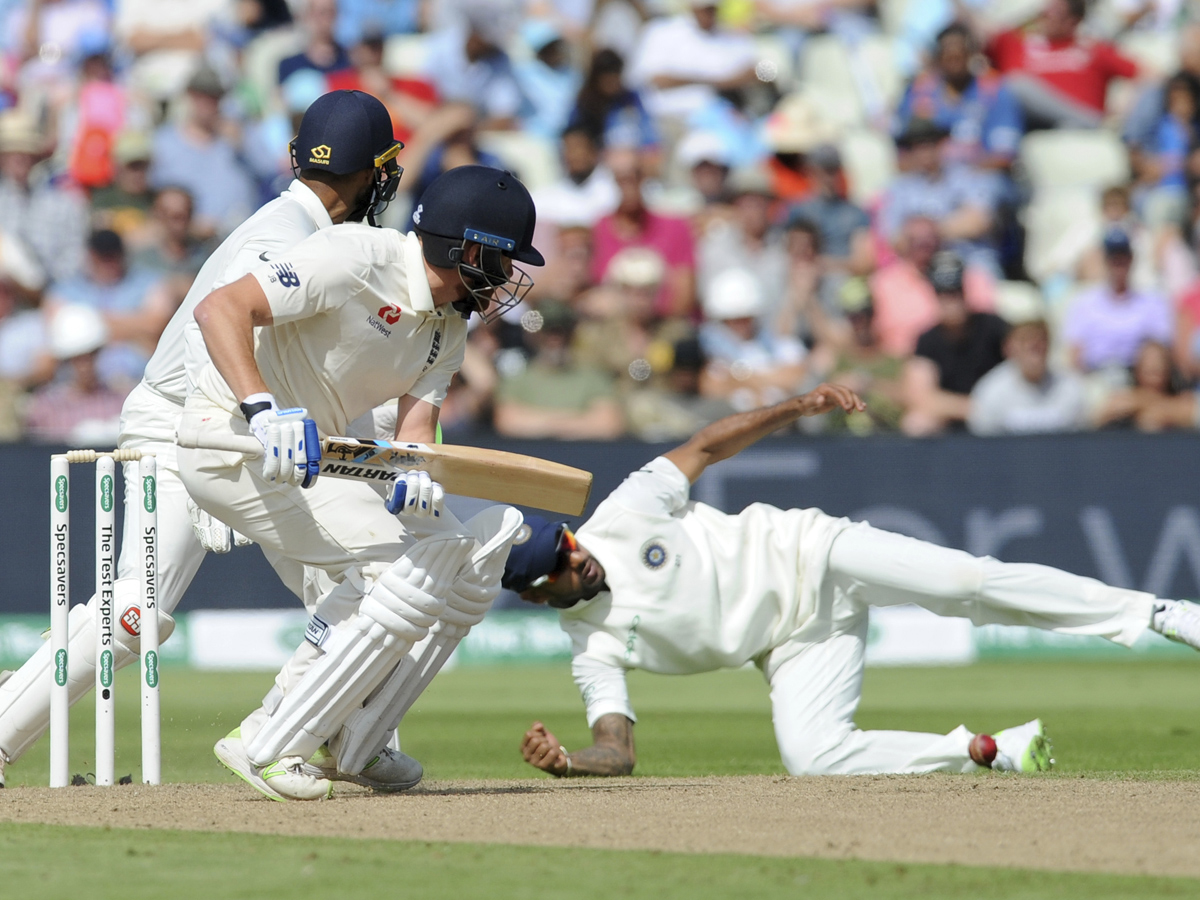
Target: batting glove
[291,445]
[213,534]
[414,493]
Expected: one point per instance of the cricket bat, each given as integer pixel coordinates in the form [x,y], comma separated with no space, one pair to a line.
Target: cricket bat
[471,471]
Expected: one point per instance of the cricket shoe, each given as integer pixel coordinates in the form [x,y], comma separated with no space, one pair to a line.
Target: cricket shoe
[1177,620]
[389,772]
[1024,748]
[284,779]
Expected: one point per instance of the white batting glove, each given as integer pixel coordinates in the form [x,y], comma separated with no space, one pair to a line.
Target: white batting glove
[292,449]
[414,493]
[213,534]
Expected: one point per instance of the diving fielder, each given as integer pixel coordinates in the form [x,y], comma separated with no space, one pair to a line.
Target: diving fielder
[355,177]
[653,581]
[308,342]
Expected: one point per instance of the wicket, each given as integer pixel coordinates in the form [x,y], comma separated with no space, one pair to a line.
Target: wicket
[106,568]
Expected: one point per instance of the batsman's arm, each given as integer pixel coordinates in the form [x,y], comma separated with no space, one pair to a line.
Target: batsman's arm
[227,318]
[731,435]
[611,753]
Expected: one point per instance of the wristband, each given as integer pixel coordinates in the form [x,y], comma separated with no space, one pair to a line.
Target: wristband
[568,756]
[256,403]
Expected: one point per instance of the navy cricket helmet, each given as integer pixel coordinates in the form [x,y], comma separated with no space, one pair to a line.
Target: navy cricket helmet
[343,132]
[485,206]
[537,553]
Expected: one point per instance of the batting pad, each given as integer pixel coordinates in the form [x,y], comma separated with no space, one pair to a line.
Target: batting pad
[368,729]
[359,653]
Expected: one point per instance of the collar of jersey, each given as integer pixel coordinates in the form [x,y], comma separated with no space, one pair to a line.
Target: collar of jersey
[312,204]
[420,298]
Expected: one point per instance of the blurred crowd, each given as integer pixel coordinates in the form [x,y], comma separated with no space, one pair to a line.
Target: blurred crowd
[982,215]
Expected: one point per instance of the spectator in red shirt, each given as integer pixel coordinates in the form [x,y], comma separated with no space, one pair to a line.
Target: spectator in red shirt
[1059,77]
[634,225]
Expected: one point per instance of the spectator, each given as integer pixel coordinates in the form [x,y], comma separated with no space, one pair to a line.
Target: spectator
[951,357]
[80,408]
[467,64]
[124,206]
[1107,324]
[1155,400]
[359,18]
[447,140]
[321,50]
[586,192]
[1059,77]
[682,62]
[195,154]
[978,111]
[706,159]
[1024,394]
[749,365]
[608,110]
[747,241]
[959,198]
[904,301]
[133,302]
[167,40]
[25,358]
[795,129]
[1141,122]
[410,100]
[554,397]
[634,225]
[173,253]
[51,218]
[665,412]
[549,80]
[846,244]
[46,39]
[1160,166]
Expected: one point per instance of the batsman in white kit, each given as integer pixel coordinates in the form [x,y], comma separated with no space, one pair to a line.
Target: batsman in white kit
[653,581]
[307,343]
[356,179]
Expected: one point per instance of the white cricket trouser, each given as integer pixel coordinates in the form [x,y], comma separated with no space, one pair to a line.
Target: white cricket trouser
[816,689]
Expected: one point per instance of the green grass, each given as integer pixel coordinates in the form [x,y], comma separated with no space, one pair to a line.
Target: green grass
[1108,719]
[50,862]
[1105,718]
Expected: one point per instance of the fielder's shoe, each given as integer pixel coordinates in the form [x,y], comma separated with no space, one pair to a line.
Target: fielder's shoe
[1023,749]
[389,772]
[1178,620]
[285,779]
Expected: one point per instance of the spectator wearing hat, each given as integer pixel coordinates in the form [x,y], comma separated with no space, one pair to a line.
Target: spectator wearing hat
[633,224]
[1025,394]
[706,159]
[958,197]
[683,61]
[1106,324]
[133,302]
[749,365]
[124,206]
[1059,76]
[586,192]
[321,52]
[78,408]
[793,130]
[982,117]
[549,80]
[610,110]
[195,154]
[554,396]
[951,357]
[846,244]
[51,218]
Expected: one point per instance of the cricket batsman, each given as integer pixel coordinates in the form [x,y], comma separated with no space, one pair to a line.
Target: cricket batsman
[305,343]
[652,581]
[353,177]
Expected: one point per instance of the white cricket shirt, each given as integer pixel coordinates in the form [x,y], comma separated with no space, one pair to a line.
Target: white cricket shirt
[354,326]
[691,589]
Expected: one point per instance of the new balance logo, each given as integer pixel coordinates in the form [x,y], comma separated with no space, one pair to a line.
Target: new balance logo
[286,275]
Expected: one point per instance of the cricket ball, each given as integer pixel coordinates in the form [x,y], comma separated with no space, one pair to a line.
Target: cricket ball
[983,749]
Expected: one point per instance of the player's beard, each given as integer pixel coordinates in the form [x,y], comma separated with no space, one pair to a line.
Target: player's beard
[362,203]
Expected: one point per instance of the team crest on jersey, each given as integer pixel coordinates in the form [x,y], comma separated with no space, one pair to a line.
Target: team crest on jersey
[654,555]
[390,313]
[285,275]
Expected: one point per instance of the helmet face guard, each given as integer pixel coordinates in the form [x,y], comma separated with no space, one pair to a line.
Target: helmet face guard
[494,288]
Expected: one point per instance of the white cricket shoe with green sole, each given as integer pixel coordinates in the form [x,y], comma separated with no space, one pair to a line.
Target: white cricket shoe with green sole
[389,772]
[1024,748]
[1178,620]
[284,779]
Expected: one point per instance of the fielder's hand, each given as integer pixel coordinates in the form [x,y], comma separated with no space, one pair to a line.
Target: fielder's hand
[828,397]
[542,750]
[213,534]
[291,444]
[414,493]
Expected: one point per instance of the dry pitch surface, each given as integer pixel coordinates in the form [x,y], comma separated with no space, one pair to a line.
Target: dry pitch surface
[1118,826]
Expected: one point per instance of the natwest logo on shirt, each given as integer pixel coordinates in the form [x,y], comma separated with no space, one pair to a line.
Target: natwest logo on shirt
[390,313]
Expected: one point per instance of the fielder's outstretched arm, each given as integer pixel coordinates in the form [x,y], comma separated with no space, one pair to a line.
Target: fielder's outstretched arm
[612,752]
[731,435]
